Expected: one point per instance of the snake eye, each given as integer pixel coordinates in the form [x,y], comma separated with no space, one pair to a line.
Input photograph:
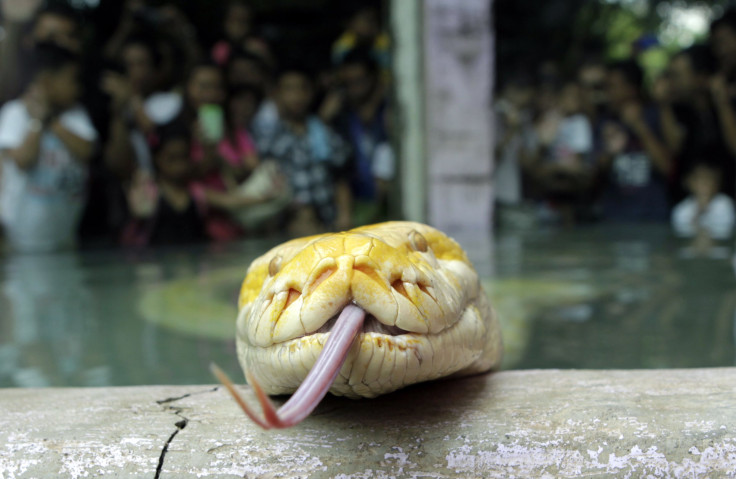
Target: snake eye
[274,266]
[418,241]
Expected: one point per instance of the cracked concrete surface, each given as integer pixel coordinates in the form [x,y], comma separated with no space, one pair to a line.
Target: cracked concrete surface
[663,423]
[179,425]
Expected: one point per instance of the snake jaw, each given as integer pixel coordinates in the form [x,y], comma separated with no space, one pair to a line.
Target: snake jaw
[315,386]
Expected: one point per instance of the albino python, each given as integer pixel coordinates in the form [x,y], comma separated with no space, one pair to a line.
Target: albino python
[358,314]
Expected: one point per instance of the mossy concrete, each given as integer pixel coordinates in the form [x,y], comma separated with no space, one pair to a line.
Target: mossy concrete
[651,423]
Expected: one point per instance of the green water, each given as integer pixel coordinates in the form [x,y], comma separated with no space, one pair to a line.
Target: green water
[629,297]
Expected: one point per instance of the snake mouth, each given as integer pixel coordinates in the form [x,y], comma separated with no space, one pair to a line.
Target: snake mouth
[346,329]
[371,324]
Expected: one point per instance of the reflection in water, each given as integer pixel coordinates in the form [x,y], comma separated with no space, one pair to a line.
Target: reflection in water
[651,308]
[50,336]
[73,319]
[632,255]
[589,298]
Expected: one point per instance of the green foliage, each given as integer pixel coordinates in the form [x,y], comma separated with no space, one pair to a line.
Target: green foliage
[624,27]
[579,28]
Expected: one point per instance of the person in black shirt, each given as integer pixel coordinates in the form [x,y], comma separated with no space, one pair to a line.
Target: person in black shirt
[164,211]
[691,123]
[634,162]
[358,109]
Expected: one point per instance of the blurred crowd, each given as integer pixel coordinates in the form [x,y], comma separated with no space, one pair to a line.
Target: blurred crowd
[608,143]
[146,135]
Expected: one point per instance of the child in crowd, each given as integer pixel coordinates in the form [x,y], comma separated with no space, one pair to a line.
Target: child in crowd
[237,147]
[313,157]
[706,211]
[46,142]
[166,213]
[634,162]
[255,192]
[205,96]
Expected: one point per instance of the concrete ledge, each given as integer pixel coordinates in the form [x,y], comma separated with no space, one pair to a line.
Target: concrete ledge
[655,423]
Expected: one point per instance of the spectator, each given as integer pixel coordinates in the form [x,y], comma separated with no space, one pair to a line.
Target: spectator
[691,124]
[723,43]
[237,146]
[363,30]
[244,67]
[634,161]
[313,157]
[706,211]
[55,23]
[205,96]
[205,90]
[180,48]
[547,90]
[592,80]
[165,213]
[239,33]
[360,114]
[516,141]
[137,108]
[563,172]
[132,19]
[177,40]
[46,143]
[254,193]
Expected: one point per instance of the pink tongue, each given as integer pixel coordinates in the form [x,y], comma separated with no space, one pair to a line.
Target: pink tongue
[326,368]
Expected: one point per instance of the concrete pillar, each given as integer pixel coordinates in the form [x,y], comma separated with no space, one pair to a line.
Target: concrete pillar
[444,71]
[406,28]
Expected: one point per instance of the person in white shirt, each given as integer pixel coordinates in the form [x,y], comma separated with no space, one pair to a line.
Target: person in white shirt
[706,211]
[563,174]
[46,141]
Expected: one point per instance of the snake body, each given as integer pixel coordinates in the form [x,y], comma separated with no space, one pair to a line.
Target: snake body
[418,313]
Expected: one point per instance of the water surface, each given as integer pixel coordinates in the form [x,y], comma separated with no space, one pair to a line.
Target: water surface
[598,297]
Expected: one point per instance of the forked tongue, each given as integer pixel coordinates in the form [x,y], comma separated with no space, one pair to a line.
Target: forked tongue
[318,381]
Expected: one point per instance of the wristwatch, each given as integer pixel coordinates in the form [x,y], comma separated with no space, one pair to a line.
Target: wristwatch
[35,125]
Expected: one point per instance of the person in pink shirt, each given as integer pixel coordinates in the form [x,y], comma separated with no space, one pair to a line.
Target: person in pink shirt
[237,148]
[255,192]
[205,97]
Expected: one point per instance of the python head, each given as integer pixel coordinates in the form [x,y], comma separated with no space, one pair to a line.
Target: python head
[360,313]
